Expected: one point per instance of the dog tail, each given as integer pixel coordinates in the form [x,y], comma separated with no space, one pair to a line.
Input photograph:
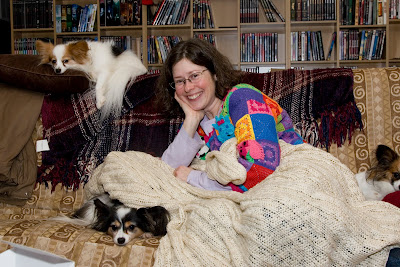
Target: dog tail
[127,68]
[66,219]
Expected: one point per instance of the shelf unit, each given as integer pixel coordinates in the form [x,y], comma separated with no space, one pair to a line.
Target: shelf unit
[228,30]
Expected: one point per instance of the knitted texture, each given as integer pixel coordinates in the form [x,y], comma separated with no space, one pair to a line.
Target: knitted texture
[257,122]
[309,212]
[223,165]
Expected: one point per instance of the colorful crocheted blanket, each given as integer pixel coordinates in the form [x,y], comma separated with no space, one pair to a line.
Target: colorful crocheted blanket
[257,122]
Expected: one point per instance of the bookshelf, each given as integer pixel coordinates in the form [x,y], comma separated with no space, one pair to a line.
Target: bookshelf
[230,33]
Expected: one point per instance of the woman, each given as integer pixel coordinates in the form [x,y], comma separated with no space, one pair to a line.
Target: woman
[199,80]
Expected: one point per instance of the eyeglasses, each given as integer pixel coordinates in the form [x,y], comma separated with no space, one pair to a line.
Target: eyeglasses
[193,78]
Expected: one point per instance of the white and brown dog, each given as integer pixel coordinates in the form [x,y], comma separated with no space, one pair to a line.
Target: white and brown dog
[383,177]
[108,66]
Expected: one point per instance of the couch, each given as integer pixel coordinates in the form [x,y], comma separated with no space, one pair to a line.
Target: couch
[345,112]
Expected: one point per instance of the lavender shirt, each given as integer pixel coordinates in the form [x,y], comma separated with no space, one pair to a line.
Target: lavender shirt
[183,150]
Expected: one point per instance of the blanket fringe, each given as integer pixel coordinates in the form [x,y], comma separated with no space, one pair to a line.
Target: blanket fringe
[309,131]
[63,171]
[338,125]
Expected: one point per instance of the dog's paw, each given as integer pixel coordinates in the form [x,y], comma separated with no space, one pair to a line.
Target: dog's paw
[100,100]
[147,235]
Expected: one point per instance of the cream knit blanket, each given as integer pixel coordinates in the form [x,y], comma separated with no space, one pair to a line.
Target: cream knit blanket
[309,212]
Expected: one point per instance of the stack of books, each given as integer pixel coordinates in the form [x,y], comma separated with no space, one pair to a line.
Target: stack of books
[259,47]
[202,14]
[207,37]
[74,18]
[120,12]
[363,12]
[364,45]
[32,14]
[158,47]
[171,12]
[27,46]
[307,46]
[312,10]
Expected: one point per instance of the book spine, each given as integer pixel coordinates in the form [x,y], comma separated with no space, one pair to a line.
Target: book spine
[271,3]
[333,40]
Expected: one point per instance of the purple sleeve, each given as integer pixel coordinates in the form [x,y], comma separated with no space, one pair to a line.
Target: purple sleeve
[201,180]
[182,150]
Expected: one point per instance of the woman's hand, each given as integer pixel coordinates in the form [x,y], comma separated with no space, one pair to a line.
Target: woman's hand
[182,173]
[192,117]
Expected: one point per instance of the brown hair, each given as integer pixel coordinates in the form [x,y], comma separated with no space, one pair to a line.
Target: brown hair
[201,53]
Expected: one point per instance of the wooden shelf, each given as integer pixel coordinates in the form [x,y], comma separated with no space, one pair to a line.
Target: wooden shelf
[34,30]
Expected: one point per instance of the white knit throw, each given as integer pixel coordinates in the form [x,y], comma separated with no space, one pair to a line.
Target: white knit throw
[223,165]
[309,212]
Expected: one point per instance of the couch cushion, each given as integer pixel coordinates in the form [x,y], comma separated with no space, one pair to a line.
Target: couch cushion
[24,71]
[28,225]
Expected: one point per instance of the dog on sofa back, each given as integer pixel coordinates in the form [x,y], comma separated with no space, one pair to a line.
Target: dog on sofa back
[111,68]
[383,177]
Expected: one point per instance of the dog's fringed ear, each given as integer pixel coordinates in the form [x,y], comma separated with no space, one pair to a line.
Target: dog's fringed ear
[103,214]
[102,209]
[79,51]
[153,220]
[385,154]
[44,49]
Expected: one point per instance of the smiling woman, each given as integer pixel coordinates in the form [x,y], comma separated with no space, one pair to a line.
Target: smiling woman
[198,80]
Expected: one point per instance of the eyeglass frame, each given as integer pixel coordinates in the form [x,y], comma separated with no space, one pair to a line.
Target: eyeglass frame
[172,84]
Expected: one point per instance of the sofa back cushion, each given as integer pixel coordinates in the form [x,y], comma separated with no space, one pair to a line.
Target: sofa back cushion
[26,72]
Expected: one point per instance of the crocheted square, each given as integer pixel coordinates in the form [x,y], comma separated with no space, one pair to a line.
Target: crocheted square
[244,129]
[272,153]
[275,108]
[291,137]
[264,127]
[250,150]
[237,102]
[256,107]
[255,175]
[286,121]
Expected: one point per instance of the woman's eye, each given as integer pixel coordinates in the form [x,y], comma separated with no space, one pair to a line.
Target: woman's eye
[194,76]
[179,82]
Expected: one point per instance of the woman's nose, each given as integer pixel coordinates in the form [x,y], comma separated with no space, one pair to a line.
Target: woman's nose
[188,86]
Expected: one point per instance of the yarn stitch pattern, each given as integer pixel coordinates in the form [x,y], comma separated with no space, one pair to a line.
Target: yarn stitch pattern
[258,122]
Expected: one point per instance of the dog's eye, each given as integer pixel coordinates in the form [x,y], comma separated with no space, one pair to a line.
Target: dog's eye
[131,227]
[65,61]
[396,175]
[54,61]
[114,227]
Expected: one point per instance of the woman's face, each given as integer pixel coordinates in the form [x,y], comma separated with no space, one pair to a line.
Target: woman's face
[199,94]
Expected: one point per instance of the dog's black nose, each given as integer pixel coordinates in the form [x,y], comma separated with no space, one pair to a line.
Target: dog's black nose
[57,70]
[121,240]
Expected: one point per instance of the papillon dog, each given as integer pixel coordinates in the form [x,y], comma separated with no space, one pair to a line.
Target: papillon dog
[108,66]
[119,221]
[383,177]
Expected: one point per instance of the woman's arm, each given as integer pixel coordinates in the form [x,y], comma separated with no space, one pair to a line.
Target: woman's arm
[200,179]
[182,150]
[255,117]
